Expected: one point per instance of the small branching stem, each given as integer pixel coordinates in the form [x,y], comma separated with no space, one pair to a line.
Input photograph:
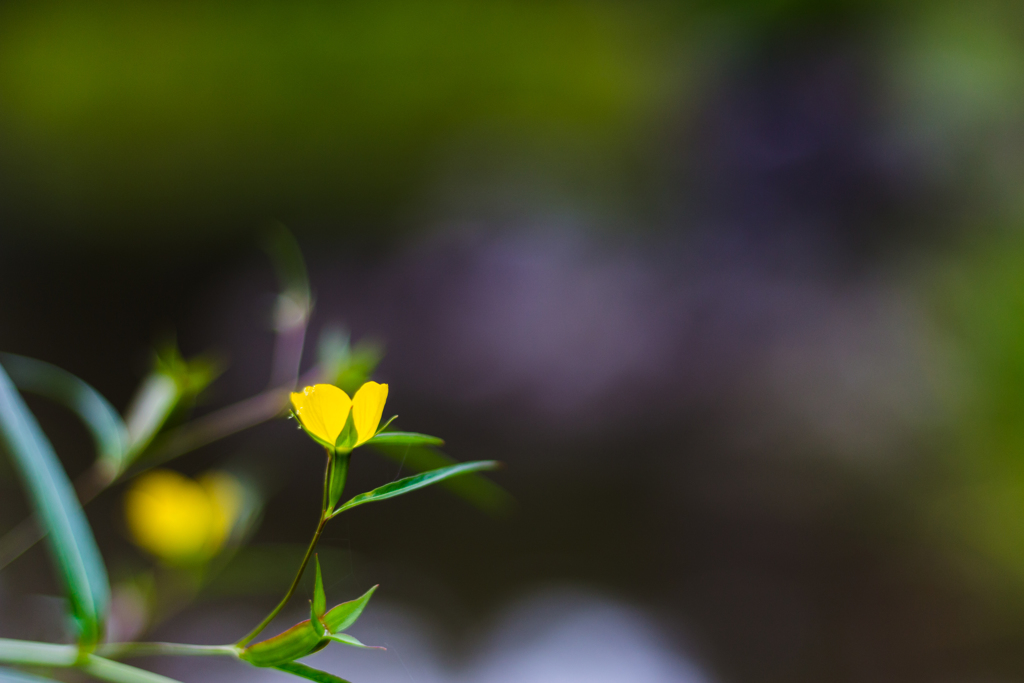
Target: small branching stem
[325,516]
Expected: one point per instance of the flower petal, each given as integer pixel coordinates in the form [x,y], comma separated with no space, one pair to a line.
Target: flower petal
[367,407]
[323,410]
[170,516]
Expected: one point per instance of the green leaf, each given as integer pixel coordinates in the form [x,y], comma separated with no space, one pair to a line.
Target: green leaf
[346,639]
[153,403]
[298,641]
[15,676]
[319,599]
[172,384]
[404,439]
[476,489]
[402,486]
[70,539]
[339,473]
[385,425]
[347,437]
[344,615]
[309,673]
[100,418]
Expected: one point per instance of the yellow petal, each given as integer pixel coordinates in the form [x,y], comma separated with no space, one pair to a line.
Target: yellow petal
[170,516]
[367,407]
[323,410]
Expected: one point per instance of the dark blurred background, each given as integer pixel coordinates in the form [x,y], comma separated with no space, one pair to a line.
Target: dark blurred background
[735,289]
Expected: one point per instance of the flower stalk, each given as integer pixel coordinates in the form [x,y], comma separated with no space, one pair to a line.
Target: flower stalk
[335,472]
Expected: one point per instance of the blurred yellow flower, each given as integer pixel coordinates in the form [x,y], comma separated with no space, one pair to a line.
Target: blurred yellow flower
[324,409]
[180,520]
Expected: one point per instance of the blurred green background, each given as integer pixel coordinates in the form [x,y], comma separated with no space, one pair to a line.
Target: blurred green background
[736,289]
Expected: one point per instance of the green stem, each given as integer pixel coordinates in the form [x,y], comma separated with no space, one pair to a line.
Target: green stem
[28,653]
[291,590]
[324,517]
[127,650]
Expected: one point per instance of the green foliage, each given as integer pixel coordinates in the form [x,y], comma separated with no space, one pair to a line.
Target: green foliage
[473,488]
[344,615]
[71,541]
[404,439]
[307,637]
[319,599]
[410,484]
[310,673]
[100,418]
[298,641]
[339,473]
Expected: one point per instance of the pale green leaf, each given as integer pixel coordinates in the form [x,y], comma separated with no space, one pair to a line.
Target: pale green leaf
[70,539]
[346,639]
[344,615]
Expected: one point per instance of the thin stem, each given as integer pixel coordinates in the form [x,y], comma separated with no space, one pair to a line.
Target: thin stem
[127,650]
[302,567]
[291,590]
[27,653]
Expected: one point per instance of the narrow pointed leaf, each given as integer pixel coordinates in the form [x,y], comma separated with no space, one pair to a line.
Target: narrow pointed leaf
[385,425]
[319,599]
[475,489]
[309,673]
[409,484]
[70,539]
[101,419]
[405,439]
[346,639]
[344,615]
[298,641]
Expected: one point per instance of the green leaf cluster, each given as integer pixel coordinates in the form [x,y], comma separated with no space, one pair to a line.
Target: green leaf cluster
[313,634]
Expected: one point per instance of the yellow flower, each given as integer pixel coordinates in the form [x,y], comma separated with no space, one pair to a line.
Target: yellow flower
[336,421]
[180,520]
